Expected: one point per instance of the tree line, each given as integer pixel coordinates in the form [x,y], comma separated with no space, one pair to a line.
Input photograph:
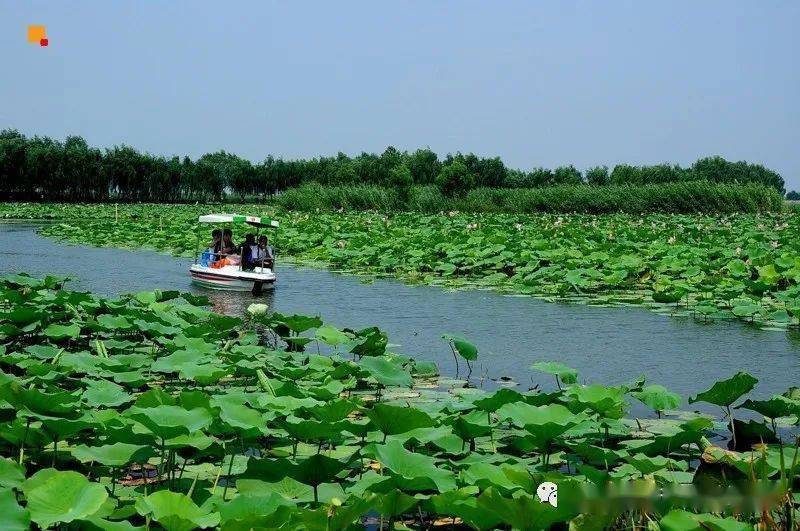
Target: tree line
[41,168]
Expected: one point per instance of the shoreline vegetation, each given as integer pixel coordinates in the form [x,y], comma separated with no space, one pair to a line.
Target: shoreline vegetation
[43,169]
[121,413]
[690,197]
[710,267]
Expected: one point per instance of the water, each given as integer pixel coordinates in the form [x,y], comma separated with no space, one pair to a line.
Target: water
[606,345]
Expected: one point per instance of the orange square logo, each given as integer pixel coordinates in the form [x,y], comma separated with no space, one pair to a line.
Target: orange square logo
[36,33]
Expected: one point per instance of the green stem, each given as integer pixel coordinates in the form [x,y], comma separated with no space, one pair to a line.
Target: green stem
[228,477]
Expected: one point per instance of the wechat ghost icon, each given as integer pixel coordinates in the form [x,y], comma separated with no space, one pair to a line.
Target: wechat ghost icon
[548,493]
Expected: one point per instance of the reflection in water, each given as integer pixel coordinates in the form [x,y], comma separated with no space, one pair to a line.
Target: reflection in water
[606,345]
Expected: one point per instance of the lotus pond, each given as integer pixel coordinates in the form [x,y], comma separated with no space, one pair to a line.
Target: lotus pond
[744,267]
[150,411]
[610,345]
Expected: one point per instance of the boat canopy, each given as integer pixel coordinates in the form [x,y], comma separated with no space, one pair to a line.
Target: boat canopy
[238,218]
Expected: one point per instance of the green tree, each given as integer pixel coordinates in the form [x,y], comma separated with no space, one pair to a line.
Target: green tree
[401,180]
[424,166]
[625,174]
[567,175]
[455,179]
[598,176]
[13,159]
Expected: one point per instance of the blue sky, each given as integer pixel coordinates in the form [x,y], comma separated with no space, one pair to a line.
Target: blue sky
[537,83]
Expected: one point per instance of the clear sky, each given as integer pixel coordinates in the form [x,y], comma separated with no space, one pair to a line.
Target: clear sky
[537,83]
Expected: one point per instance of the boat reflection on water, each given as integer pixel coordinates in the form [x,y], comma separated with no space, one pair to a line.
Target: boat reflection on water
[234,303]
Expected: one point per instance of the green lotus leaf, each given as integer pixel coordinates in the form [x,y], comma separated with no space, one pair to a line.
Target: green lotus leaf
[106,394]
[544,423]
[372,342]
[61,497]
[415,471]
[23,316]
[205,374]
[313,470]
[337,516]
[255,511]
[154,398]
[393,503]
[746,309]
[43,352]
[332,336]
[502,477]
[605,400]
[498,399]
[566,374]
[596,455]
[425,369]
[58,332]
[239,416]
[114,322]
[648,465]
[11,474]
[472,425]
[100,524]
[680,520]
[777,406]
[463,503]
[392,420]
[12,516]
[465,349]
[314,430]
[737,268]
[333,410]
[300,323]
[179,359]
[176,511]
[117,454]
[526,512]
[658,398]
[170,421]
[726,392]
[386,371]
[61,404]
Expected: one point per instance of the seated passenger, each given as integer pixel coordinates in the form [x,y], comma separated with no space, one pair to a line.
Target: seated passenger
[209,255]
[264,255]
[248,252]
[216,241]
[228,254]
[228,247]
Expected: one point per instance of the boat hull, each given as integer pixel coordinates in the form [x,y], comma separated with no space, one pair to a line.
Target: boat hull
[230,280]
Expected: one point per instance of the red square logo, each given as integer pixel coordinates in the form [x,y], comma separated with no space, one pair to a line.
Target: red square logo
[44,42]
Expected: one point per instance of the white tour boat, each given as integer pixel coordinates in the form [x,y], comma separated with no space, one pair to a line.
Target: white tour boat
[212,271]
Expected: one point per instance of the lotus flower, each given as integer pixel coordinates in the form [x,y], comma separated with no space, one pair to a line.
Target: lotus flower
[257,309]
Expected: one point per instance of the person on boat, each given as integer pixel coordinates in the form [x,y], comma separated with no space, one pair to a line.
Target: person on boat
[249,251]
[228,246]
[209,255]
[228,254]
[264,254]
[216,242]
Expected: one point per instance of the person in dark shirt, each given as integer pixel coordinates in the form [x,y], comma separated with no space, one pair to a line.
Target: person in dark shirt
[249,249]
[216,243]
[228,247]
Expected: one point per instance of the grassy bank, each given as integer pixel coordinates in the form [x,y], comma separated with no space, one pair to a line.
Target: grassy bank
[679,198]
[738,266]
